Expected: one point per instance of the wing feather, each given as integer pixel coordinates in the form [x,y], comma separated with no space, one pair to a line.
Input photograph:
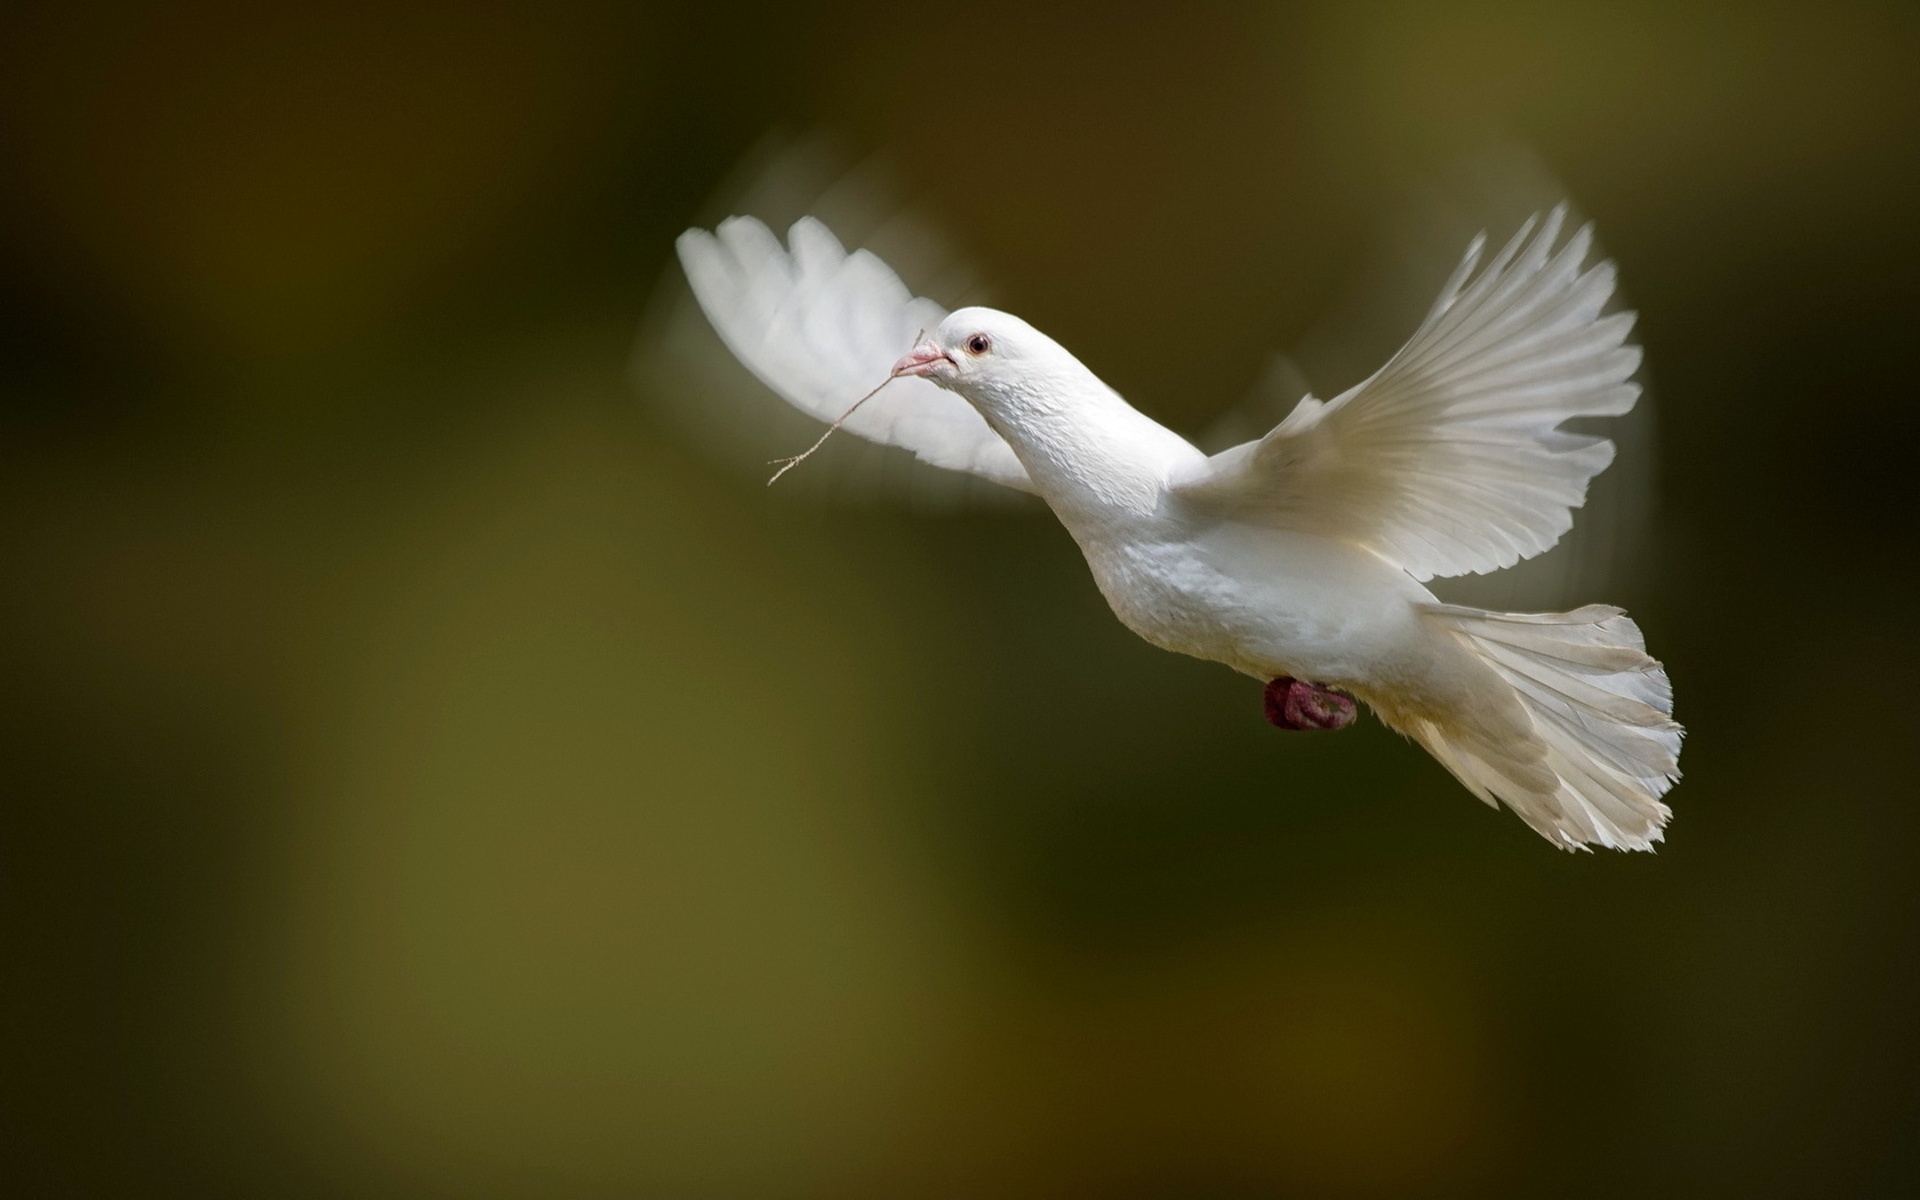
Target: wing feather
[1450,460]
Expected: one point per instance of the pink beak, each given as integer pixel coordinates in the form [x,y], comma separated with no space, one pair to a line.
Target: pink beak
[921,359]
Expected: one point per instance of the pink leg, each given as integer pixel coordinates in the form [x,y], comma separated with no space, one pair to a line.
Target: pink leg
[1297,704]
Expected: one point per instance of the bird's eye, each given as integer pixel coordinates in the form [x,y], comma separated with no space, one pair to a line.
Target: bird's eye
[979,344]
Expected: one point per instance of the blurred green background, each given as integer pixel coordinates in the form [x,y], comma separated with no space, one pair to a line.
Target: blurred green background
[429,774]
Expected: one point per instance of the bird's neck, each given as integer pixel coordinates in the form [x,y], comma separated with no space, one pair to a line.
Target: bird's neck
[1094,457]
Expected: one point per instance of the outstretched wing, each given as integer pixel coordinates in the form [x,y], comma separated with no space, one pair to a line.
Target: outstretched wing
[821,327]
[1450,459]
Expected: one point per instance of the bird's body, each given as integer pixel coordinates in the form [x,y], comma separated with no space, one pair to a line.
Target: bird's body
[1300,556]
[1265,602]
[1192,579]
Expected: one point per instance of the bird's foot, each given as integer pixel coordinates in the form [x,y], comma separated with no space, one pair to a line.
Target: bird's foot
[1297,704]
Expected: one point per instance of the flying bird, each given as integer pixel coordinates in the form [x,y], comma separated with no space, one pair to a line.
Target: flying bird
[1300,558]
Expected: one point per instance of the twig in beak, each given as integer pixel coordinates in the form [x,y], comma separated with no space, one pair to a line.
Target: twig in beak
[788,464]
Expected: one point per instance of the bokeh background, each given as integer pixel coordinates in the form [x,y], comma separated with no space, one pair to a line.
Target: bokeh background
[431,771]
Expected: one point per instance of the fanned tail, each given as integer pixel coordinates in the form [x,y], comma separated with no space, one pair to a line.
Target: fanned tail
[1592,746]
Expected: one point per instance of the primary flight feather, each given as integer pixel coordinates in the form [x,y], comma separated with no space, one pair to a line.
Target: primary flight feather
[1299,558]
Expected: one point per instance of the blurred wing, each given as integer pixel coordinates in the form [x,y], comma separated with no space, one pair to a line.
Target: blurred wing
[821,327]
[1450,459]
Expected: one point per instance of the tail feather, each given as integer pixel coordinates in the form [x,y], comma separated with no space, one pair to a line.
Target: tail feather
[1593,745]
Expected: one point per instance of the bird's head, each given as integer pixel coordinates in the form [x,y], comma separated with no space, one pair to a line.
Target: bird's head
[990,357]
[1081,444]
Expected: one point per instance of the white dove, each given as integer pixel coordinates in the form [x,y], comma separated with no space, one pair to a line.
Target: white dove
[1298,558]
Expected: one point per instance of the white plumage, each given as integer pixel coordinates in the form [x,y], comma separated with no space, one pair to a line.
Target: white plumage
[1448,460]
[1301,554]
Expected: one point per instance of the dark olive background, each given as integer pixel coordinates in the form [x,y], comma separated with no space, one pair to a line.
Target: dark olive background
[429,774]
